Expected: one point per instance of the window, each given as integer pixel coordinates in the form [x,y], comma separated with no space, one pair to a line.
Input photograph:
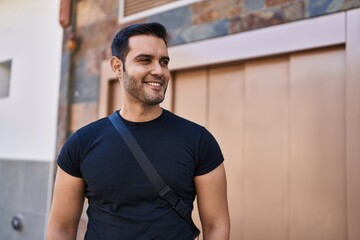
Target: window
[5,70]
[131,10]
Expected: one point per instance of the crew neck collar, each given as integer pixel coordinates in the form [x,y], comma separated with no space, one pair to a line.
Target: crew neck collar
[127,122]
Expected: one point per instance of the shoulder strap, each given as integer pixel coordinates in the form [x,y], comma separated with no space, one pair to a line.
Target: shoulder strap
[164,190]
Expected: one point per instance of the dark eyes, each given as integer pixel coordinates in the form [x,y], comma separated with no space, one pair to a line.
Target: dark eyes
[163,62]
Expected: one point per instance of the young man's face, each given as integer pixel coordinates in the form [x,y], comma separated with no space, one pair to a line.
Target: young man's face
[146,73]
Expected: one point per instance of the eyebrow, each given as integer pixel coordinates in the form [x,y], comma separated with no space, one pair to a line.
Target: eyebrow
[150,56]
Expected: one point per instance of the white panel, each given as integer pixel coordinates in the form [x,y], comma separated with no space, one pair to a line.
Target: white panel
[312,33]
[32,38]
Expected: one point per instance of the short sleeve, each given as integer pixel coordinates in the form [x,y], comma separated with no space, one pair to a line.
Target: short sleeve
[69,157]
[210,155]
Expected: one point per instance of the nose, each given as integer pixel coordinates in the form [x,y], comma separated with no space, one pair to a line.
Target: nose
[157,70]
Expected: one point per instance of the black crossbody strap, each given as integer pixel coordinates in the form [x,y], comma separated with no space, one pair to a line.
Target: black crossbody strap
[164,190]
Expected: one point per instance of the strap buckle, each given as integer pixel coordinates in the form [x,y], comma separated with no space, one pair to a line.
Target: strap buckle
[182,208]
[175,201]
[166,192]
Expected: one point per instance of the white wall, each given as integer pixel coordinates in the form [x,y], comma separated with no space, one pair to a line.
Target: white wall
[31,37]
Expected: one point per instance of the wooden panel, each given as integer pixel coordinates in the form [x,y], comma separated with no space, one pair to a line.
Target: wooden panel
[318,187]
[226,104]
[353,123]
[135,6]
[168,101]
[190,95]
[266,166]
[106,75]
[114,101]
[281,124]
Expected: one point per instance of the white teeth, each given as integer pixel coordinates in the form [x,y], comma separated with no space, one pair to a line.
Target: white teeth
[154,84]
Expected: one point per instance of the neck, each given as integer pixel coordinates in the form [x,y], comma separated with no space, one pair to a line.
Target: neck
[140,113]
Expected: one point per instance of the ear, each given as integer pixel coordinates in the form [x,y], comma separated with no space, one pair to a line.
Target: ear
[117,66]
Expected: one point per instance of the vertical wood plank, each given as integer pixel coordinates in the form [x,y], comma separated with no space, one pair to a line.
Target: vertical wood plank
[353,123]
[114,95]
[318,197]
[266,149]
[226,105]
[106,76]
[190,95]
[168,101]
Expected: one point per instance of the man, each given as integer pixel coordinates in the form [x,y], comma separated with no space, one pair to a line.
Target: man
[95,162]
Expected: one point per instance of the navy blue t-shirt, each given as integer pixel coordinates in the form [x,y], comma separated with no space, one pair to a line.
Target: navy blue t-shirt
[123,204]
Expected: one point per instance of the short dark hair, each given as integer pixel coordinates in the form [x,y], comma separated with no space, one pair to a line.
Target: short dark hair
[120,44]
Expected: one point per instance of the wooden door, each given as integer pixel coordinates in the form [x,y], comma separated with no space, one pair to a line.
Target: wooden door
[281,124]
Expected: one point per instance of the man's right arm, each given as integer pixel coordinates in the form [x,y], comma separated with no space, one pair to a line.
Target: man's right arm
[67,205]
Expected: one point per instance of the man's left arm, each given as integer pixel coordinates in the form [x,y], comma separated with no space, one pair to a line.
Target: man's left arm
[212,204]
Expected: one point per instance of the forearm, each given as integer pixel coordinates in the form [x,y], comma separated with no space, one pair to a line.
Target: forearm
[58,233]
[63,226]
[216,233]
[212,204]
[66,207]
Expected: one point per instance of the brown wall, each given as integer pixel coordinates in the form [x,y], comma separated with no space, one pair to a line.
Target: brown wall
[281,124]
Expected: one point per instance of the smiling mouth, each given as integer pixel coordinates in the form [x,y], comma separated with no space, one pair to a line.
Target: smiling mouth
[155,84]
